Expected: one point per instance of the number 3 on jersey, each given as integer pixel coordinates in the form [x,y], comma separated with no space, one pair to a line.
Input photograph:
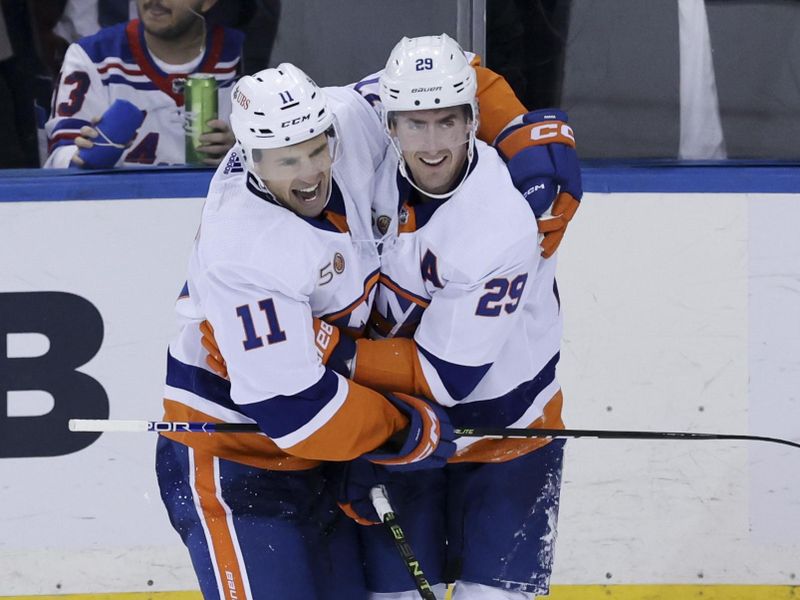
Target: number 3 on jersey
[251,339]
[491,303]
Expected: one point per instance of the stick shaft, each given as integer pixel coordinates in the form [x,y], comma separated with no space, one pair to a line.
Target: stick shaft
[389,518]
[482,432]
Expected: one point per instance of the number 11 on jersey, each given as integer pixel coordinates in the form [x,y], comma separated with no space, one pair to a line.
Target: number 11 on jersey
[251,339]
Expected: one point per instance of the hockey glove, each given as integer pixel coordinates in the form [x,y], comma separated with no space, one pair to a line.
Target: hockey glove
[540,153]
[426,443]
[356,480]
[335,350]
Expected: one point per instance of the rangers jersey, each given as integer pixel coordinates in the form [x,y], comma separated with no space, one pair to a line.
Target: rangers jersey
[116,64]
[259,273]
[463,277]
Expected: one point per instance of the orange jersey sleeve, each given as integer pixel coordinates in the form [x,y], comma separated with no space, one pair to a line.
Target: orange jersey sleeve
[498,103]
[365,421]
[391,365]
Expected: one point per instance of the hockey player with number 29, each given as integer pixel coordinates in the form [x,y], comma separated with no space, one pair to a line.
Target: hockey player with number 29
[479,308]
[284,264]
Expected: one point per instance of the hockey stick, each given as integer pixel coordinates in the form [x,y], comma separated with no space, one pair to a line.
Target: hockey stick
[389,519]
[97,425]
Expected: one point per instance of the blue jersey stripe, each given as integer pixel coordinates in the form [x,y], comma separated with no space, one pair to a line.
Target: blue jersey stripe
[200,382]
[276,416]
[137,85]
[69,124]
[458,380]
[282,415]
[506,409]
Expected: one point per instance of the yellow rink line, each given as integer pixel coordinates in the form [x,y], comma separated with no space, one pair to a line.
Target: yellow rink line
[558,592]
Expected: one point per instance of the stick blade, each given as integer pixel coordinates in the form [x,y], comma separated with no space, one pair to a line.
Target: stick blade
[100,425]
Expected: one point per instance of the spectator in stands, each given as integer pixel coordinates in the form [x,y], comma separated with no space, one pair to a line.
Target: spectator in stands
[145,62]
[257,19]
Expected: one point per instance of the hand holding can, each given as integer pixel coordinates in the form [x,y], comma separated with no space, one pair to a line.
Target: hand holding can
[201,101]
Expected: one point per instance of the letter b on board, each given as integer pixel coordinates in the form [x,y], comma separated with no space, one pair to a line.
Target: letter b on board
[74,330]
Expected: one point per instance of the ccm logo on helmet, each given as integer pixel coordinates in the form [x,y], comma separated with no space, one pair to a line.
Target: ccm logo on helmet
[296,121]
[241,99]
[551,130]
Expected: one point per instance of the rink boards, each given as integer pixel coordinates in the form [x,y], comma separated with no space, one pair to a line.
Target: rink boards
[680,292]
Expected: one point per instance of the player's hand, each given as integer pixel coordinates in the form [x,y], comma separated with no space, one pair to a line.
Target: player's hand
[335,349]
[356,480]
[541,158]
[215,144]
[85,141]
[426,443]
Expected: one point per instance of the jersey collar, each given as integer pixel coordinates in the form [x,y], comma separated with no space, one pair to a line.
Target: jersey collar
[419,211]
[172,83]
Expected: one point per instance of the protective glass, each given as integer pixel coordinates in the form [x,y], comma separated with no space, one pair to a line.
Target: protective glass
[429,131]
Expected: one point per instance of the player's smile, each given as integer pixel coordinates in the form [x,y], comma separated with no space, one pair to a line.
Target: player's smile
[308,194]
[433,161]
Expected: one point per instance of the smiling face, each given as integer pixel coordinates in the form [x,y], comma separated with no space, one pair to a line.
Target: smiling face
[434,145]
[299,176]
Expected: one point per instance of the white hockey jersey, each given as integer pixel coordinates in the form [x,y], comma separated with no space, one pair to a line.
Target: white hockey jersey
[259,272]
[115,63]
[463,276]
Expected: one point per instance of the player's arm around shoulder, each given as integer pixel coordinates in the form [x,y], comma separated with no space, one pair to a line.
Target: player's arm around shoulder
[359,128]
[281,365]
[263,326]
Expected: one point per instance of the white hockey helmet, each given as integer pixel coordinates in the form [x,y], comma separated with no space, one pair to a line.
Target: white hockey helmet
[277,107]
[428,73]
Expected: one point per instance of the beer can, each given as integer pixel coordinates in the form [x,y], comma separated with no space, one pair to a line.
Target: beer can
[200,97]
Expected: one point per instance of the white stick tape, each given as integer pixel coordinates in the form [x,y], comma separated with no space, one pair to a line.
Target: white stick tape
[97,425]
